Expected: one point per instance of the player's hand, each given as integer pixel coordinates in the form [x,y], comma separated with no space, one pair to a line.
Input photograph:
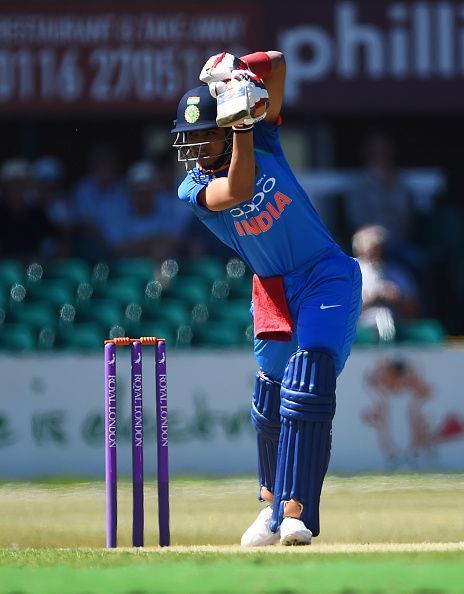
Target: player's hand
[258,96]
[243,100]
[220,67]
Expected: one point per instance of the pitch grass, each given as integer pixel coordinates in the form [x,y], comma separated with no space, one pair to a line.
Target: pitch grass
[51,539]
[354,510]
[55,571]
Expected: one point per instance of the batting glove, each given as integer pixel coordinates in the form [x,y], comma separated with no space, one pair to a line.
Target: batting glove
[220,67]
[243,100]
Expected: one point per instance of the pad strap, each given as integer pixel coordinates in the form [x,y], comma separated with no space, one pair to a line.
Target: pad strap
[266,420]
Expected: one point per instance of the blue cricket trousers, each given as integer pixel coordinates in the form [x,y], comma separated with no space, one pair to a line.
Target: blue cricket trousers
[324,302]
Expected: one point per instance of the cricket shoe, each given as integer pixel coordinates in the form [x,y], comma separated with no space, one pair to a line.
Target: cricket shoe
[294,532]
[259,533]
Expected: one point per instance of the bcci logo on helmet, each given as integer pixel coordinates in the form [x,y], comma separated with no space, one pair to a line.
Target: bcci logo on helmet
[191,114]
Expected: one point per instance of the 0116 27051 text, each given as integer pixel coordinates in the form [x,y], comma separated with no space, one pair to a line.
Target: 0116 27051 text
[103,75]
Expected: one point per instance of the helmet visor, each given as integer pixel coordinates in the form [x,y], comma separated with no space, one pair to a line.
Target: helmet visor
[206,152]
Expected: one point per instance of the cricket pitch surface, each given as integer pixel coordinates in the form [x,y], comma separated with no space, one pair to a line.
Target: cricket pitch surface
[379,534]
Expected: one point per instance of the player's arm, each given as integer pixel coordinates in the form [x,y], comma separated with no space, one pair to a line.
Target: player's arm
[270,66]
[226,192]
[238,186]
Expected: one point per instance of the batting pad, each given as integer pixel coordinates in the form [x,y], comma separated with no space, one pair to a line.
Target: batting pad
[307,409]
[265,417]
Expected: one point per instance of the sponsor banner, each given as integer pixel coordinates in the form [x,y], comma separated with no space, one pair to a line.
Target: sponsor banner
[342,55]
[70,58]
[364,56]
[396,410]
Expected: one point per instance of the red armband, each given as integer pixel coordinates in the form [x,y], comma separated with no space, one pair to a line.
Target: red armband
[259,63]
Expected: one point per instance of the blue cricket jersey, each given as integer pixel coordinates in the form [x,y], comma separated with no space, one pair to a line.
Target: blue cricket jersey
[278,230]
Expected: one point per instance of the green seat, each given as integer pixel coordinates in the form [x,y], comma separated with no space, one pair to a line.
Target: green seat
[189,289]
[105,312]
[46,338]
[37,314]
[4,297]
[82,337]
[160,330]
[100,273]
[207,268]
[235,311]
[73,270]
[220,290]
[17,337]
[11,272]
[366,336]
[56,292]
[240,288]
[174,311]
[142,269]
[218,335]
[426,331]
[123,290]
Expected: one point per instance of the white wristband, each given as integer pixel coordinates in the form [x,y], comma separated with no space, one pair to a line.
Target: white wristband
[244,128]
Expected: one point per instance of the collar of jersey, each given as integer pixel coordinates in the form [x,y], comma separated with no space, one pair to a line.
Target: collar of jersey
[212,172]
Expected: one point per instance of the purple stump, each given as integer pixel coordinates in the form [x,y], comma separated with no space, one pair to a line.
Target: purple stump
[162,442]
[111,478]
[137,445]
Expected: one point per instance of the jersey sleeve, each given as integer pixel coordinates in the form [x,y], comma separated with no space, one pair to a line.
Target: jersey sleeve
[266,137]
[188,193]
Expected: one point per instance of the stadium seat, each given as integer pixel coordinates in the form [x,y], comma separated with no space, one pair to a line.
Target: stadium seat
[426,331]
[159,329]
[142,269]
[123,290]
[105,312]
[189,289]
[218,335]
[17,337]
[37,315]
[235,312]
[85,337]
[73,270]
[11,272]
[240,288]
[366,336]
[46,338]
[210,269]
[174,311]
[57,292]
[220,290]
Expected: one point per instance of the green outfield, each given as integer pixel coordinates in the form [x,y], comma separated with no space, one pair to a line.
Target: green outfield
[380,534]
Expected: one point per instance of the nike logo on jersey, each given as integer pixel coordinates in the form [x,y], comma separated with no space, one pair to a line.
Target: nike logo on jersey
[328,306]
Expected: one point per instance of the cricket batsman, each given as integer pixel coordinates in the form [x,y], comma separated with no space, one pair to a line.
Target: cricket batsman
[306,292]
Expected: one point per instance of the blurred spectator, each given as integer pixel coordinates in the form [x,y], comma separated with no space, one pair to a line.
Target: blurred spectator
[25,228]
[440,233]
[380,198]
[48,179]
[389,292]
[155,222]
[100,205]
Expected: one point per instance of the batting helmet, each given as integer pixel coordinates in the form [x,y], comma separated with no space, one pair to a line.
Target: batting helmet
[197,111]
